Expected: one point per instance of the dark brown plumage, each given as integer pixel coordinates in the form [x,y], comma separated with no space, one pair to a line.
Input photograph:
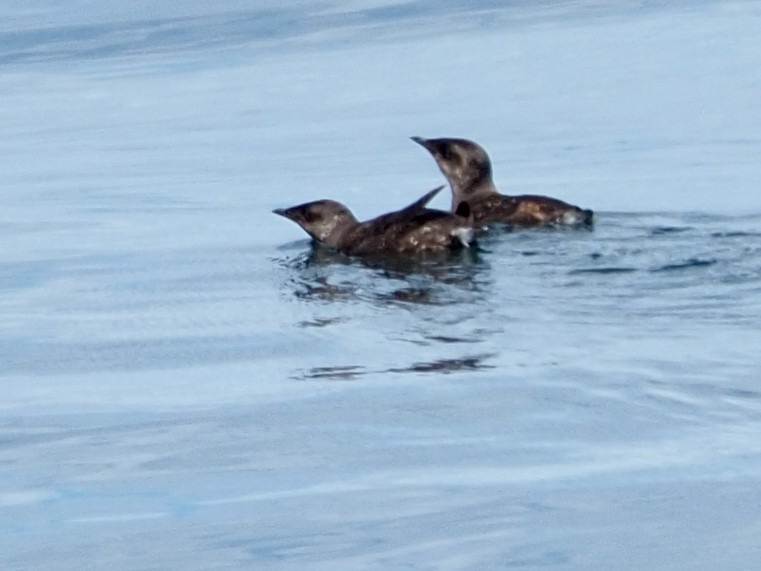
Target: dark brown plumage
[467,167]
[413,229]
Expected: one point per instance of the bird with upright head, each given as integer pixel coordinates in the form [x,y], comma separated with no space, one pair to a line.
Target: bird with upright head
[467,168]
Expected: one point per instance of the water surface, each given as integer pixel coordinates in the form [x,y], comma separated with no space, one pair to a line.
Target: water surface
[189,384]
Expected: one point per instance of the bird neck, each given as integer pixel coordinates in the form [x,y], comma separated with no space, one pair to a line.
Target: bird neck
[339,229]
[476,189]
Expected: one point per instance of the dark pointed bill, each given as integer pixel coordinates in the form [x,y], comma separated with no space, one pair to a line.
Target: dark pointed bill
[420,141]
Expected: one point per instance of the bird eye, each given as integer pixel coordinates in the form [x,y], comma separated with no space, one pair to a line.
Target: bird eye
[310,216]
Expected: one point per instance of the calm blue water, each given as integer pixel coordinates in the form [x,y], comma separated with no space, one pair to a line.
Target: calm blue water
[187,385]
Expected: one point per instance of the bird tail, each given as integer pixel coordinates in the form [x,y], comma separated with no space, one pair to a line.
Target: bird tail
[578,217]
[464,236]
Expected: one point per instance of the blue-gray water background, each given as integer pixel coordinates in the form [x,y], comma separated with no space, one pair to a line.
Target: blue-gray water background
[185,386]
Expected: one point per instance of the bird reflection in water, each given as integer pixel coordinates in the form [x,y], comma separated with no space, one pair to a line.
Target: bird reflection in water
[323,274]
[438,296]
[439,366]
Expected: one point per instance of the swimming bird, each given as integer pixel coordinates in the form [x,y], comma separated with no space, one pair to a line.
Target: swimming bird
[467,167]
[413,229]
